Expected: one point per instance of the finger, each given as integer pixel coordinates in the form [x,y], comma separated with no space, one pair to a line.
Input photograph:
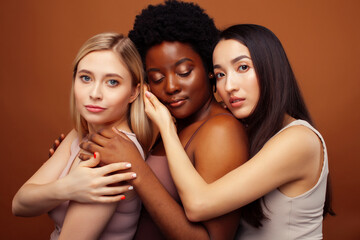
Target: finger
[113,167]
[84,156]
[93,162]
[90,147]
[57,142]
[149,99]
[153,99]
[99,139]
[120,133]
[114,190]
[109,199]
[107,133]
[51,152]
[62,137]
[118,178]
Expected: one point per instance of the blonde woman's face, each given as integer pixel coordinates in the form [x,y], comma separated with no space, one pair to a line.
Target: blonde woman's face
[103,89]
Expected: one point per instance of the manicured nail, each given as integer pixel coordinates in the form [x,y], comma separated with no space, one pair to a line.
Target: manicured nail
[94,155]
[122,197]
[147,93]
[134,175]
[128,165]
[131,188]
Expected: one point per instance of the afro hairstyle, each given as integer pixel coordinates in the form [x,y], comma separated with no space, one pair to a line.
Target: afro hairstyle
[172,21]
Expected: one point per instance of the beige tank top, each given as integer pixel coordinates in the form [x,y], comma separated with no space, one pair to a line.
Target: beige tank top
[297,217]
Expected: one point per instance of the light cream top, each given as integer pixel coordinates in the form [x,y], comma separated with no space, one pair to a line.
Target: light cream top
[297,217]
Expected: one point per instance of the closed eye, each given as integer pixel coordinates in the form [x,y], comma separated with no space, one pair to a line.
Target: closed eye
[184,74]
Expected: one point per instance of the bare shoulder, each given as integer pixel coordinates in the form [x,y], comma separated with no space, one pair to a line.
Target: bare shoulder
[299,142]
[220,146]
[70,137]
[65,145]
[225,124]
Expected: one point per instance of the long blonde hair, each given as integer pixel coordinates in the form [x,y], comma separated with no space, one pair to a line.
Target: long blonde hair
[126,50]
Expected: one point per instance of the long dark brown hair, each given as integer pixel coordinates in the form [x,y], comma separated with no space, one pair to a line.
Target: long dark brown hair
[280,95]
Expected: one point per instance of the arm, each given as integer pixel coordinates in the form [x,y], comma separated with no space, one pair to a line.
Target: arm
[44,191]
[165,211]
[219,147]
[87,221]
[282,160]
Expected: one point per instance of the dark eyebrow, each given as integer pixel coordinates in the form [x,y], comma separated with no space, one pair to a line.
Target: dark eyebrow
[239,58]
[234,60]
[182,60]
[176,64]
[153,70]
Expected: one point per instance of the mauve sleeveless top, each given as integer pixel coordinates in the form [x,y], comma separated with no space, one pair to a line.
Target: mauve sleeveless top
[123,223]
[292,218]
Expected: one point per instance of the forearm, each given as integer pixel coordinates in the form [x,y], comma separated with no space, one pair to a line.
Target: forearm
[36,199]
[164,210]
[86,221]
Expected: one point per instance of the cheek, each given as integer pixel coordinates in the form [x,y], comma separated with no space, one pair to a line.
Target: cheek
[78,93]
[156,89]
[119,99]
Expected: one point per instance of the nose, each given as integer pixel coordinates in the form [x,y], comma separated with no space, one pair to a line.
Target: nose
[172,84]
[231,83]
[95,91]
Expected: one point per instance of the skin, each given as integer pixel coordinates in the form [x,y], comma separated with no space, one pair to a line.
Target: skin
[282,163]
[177,76]
[103,83]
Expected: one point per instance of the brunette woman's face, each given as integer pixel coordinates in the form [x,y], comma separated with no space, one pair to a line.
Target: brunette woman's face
[177,76]
[236,79]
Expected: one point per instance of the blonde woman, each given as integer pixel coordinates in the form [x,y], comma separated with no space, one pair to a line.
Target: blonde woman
[106,93]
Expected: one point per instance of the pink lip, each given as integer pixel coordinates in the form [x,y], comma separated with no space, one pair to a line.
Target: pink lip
[94,109]
[236,102]
[176,103]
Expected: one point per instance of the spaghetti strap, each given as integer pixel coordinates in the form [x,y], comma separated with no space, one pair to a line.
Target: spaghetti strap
[196,131]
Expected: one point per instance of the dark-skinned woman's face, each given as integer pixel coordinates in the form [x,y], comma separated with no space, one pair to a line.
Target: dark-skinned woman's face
[177,76]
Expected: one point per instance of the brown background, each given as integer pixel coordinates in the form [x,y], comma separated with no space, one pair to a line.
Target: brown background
[39,40]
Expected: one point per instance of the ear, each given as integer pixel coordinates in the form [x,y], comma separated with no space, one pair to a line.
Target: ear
[135,93]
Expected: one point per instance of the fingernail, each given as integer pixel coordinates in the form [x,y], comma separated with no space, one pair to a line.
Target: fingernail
[133,175]
[131,188]
[147,93]
[122,197]
[94,155]
[128,165]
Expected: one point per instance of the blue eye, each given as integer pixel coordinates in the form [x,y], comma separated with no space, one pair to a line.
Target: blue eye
[85,78]
[113,82]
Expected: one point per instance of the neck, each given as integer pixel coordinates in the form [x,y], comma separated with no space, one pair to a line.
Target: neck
[199,115]
[287,120]
[120,125]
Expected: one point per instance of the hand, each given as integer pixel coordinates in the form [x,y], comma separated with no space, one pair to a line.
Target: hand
[157,112]
[87,184]
[113,145]
[56,144]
